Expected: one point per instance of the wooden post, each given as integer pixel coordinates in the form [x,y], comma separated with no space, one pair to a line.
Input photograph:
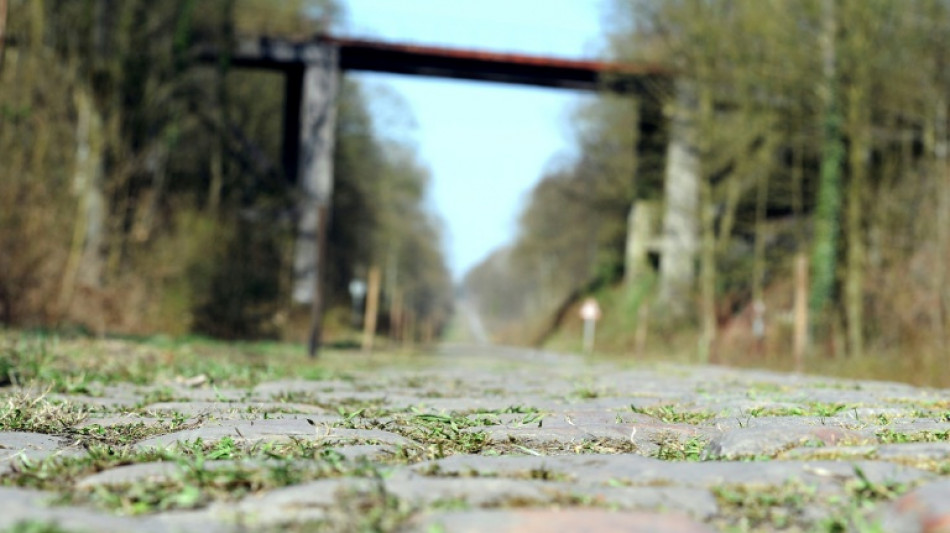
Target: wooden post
[640,336]
[3,30]
[372,308]
[428,331]
[408,327]
[800,340]
[316,306]
[395,314]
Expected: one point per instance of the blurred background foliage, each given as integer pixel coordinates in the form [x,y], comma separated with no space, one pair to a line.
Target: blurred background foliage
[143,191]
[824,136]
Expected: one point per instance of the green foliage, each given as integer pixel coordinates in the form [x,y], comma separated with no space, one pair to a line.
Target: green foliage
[672,415]
[243,293]
[827,212]
[380,218]
[142,190]
[808,137]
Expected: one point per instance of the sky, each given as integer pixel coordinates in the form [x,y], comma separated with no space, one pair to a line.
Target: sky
[485,144]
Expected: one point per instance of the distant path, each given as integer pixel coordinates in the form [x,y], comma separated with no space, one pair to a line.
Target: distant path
[473,322]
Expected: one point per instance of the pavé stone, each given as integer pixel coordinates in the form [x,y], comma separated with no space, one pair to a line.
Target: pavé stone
[569,443]
[914,451]
[123,420]
[17,446]
[561,520]
[299,503]
[644,471]
[778,422]
[697,503]
[162,471]
[207,394]
[18,506]
[277,430]
[16,441]
[477,492]
[231,409]
[373,452]
[464,405]
[845,453]
[753,442]
[136,473]
[924,510]
[97,402]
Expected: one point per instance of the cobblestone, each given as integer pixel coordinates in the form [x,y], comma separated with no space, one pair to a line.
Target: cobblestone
[485,439]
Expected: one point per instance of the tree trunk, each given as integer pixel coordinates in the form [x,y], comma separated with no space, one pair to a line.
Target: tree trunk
[219,144]
[800,340]
[3,30]
[858,160]
[758,262]
[707,259]
[938,144]
[828,208]
[88,182]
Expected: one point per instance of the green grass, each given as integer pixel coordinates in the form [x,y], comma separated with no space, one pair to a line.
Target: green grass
[673,414]
[39,526]
[889,436]
[83,365]
[256,468]
[818,409]
[672,448]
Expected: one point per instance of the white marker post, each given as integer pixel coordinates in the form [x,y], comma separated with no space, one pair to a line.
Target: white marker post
[590,313]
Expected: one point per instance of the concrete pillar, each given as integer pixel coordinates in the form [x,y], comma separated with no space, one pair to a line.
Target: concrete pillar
[319,84]
[681,214]
[641,239]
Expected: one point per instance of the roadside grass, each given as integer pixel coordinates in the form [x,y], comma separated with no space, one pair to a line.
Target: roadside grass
[82,365]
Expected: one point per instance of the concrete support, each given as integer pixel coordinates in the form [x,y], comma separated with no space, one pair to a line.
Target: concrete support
[316,101]
[641,239]
[680,217]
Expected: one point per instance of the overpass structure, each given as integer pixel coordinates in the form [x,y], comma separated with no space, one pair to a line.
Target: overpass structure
[312,69]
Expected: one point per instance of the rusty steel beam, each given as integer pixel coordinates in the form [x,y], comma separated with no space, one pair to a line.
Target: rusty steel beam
[385,57]
[521,69]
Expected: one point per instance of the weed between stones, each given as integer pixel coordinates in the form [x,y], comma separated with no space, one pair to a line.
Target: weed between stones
[23,411]
[673,448]
[755,506]
[219,471]
[889,436]
[671,415]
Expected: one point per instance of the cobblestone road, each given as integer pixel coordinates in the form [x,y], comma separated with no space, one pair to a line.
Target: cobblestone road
[483,439]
